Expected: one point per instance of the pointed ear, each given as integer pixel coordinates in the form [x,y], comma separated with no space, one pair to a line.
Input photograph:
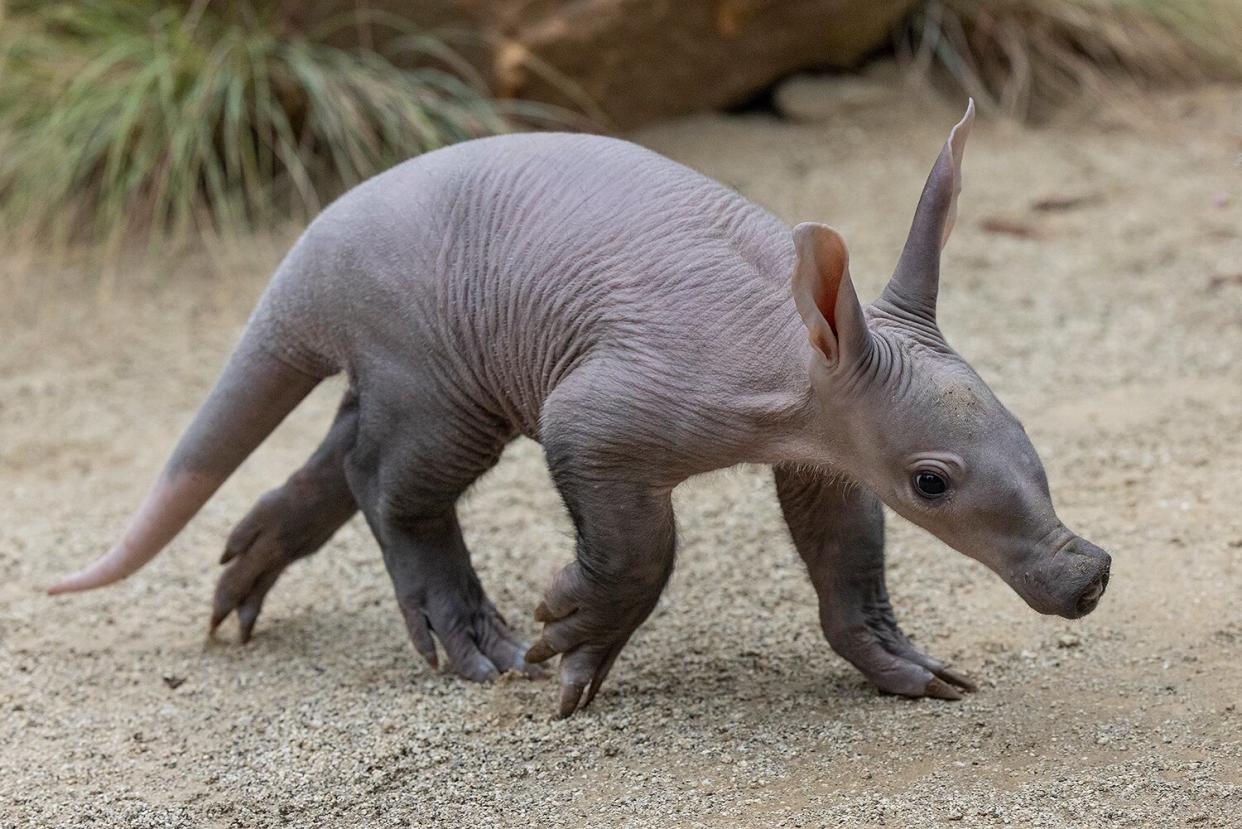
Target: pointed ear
[825,296]
[915,282]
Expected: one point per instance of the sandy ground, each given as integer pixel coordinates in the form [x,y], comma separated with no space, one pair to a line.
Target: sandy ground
[1110,321]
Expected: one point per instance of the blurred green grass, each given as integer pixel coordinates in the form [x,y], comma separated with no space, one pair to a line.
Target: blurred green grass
[137,119]
[143,120]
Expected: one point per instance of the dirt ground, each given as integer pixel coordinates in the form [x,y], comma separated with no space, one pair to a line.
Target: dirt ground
[1095,279]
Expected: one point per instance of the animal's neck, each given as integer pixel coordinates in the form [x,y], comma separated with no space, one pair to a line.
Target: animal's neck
[775,414]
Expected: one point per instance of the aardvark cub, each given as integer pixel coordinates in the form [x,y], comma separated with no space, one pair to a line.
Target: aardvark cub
[645,324]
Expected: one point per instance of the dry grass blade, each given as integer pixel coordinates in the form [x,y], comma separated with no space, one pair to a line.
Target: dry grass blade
[1026,56]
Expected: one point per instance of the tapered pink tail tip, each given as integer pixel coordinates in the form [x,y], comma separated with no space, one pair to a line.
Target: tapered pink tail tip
[104,571]
[69,584]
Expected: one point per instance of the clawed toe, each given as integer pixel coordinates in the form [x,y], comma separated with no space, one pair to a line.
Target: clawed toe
[883,653]
[588,646]
[940,689]
[583,672]
[478,643]
[279,529]
[911,679]
[954,678]
[243,586]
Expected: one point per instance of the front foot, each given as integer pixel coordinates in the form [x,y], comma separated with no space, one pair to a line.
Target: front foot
[588,624]
[868,636]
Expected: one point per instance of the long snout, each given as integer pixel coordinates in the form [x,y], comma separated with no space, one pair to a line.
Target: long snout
[1068,581]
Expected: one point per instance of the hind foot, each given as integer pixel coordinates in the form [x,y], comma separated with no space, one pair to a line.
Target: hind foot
[439,593]
[287,523]
[478,643]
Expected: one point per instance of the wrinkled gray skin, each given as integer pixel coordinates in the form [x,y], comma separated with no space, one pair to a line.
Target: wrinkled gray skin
[638,320]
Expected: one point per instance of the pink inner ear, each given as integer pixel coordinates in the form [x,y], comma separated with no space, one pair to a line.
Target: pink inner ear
[826,301]
[819,274]
[831,261]
[816,335]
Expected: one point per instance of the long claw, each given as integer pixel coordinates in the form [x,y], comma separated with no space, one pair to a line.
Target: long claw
[571,692]
[954,678]
[224,603]
[601,673]
[240,540]
[541,651]
[218,615]
[464,646]
[527,669]
[940,669]
[247,615]
[420,635]
[941,690]
[476,643]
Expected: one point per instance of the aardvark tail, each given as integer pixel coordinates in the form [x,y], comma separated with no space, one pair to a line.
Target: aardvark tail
[253,395]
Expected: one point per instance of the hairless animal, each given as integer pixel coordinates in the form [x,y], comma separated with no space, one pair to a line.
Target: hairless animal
[645,324]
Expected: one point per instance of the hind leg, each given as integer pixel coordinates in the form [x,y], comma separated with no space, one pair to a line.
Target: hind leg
[287,523]
[408,492]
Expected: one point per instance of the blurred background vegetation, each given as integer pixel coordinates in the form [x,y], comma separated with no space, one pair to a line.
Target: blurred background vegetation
[123,120]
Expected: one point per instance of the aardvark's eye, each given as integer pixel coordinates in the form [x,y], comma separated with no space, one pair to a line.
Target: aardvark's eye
[930,484]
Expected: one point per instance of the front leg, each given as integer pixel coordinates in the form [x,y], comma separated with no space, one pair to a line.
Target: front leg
[624,558]
[838,529]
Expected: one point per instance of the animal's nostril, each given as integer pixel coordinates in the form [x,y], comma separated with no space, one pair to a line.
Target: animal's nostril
[1091,596]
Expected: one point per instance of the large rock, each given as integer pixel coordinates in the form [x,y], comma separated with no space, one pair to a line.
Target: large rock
[645,59]
[817,97]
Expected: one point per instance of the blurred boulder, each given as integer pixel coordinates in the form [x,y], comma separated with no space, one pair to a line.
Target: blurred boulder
[644,59]
[812,98]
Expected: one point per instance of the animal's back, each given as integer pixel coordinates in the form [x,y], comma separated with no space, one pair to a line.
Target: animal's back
[505,262]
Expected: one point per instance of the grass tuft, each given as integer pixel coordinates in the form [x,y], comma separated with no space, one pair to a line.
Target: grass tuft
[1025,57]
[131,118]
